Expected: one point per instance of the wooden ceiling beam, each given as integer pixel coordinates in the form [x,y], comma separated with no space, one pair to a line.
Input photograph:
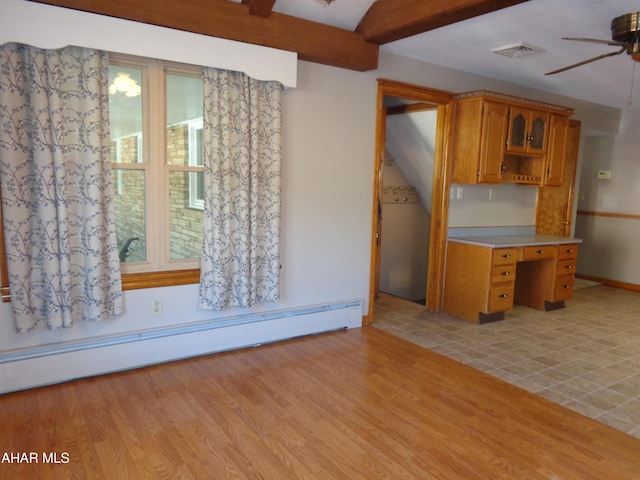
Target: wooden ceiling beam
[390,20]
[314,42]
[261,8]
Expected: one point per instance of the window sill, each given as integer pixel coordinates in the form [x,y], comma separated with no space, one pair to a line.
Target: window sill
[134,281]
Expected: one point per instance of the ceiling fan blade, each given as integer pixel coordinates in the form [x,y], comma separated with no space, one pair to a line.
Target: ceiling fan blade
[594,40]
[599,57]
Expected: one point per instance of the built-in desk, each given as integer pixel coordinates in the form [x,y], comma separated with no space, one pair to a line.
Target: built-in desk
[486,275]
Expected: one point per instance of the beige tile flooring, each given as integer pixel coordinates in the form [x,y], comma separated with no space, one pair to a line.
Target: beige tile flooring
[585,356]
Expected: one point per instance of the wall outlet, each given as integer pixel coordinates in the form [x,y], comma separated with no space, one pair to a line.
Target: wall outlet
[493,194]
[605,174]
[156,307]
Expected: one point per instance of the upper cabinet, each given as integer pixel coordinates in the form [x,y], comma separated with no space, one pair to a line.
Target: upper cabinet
[527,131]
[497,138]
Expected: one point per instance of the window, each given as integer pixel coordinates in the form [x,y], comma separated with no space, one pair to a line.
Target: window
[155,111]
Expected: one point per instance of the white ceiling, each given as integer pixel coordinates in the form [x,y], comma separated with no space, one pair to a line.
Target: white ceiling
[468,45]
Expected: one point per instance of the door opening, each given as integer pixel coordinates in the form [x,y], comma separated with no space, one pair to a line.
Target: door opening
[406,196]
[407,98]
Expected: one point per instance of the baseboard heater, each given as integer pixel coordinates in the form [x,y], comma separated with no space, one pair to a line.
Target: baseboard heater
[39,366]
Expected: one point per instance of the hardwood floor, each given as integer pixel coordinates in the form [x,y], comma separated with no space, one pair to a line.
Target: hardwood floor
[346,405]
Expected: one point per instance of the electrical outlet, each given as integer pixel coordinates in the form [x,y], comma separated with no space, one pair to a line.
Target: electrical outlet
[156,307]
[493,193]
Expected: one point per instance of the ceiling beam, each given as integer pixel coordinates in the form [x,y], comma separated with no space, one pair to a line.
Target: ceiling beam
[390,20]
[261,8]
[314,42]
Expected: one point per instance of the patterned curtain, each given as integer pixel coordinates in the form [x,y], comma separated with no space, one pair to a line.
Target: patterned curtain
[56,186]
[242,159]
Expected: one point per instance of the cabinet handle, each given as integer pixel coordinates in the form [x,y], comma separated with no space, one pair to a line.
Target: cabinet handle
[504,295]
[506,274]
[566,286]
[569,267]
[540,252]
[506,255]
[571,249]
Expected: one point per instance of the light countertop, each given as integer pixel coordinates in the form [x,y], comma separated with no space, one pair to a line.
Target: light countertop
[506,237]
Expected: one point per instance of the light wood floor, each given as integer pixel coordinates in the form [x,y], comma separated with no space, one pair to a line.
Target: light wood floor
[357,404]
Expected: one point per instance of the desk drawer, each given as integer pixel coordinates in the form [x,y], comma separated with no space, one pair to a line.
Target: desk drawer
[568,251]
[504,256]
[566,267]
[501,297]
[539,252]
[564,287]
[503,273]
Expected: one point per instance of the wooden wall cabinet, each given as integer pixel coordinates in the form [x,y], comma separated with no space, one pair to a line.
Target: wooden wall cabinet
[479,141]
[497,140]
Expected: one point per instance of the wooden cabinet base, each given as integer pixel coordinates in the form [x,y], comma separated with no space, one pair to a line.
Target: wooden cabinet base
[482,282]
[549,306]
[490,317]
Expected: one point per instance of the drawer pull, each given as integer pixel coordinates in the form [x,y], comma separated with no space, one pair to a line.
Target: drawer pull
[504,295]
[506,255]
[568,267]
[506,274]
[566,286]
[570,250]
[540,252]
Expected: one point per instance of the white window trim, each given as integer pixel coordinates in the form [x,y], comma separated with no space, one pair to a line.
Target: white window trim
[194,161]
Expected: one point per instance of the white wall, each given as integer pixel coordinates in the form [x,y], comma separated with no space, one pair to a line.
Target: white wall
[610,247]
[327,182]
[503,205]
[329,134]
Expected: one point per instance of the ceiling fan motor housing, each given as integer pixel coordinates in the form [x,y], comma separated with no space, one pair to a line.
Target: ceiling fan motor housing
[626,29]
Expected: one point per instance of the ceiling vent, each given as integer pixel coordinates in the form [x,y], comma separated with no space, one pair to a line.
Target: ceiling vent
[520,50]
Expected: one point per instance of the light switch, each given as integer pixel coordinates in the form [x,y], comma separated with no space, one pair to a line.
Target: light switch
[604,174]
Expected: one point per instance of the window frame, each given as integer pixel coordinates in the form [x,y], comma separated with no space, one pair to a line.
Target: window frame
[159,270]
[195,160]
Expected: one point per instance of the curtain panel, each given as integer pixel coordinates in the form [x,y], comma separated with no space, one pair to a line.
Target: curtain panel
[240,260]
[56,186]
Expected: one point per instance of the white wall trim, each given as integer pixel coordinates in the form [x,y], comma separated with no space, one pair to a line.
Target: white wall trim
[39,366]
[51,27]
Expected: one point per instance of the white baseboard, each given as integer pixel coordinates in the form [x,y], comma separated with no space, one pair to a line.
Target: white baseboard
[37,367]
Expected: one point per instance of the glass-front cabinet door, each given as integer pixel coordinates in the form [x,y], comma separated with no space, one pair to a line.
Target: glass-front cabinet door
[527,131]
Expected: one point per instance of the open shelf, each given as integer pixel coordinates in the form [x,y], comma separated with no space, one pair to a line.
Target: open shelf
[523,169]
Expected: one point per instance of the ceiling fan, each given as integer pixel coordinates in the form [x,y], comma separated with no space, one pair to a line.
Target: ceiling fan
[625,33]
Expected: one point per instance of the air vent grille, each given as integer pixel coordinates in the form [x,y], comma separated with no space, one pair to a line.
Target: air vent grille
[520,50]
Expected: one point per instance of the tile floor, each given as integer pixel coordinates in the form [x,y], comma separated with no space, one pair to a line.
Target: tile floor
[585,356]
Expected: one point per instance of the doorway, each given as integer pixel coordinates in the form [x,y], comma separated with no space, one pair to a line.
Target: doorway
[412,97]
[407,179]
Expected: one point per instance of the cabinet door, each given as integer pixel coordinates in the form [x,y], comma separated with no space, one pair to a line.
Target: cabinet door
[538,128]
[527,131]
[554,209]
[554,165]
[518,130]
[494,134]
